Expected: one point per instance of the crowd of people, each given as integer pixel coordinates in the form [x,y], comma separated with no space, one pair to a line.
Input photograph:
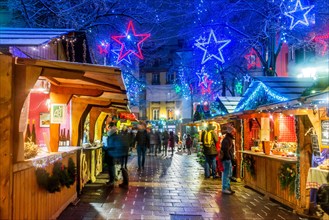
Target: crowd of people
[218,153]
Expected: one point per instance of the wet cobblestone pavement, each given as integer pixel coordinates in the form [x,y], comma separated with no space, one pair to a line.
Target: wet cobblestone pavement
[171,188]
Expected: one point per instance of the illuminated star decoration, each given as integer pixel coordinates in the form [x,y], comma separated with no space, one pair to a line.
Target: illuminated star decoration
[246,78]
[322,41]
[204,81]
[252,59]
[126,58]
[103,47]
[212,48]
[238,87]
[130,42]
[295,15]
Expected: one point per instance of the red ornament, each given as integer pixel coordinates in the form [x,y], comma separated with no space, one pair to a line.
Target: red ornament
[102,48]
[252,59]
[130,42]
[322,40]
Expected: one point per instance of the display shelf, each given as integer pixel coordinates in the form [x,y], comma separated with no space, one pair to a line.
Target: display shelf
[275,157]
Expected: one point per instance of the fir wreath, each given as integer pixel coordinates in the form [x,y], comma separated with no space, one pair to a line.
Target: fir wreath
[61,176]
[249,163]
[287,177]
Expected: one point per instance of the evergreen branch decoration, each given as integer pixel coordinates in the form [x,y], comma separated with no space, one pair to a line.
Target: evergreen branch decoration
[287,177]
[249,163]
[61,176]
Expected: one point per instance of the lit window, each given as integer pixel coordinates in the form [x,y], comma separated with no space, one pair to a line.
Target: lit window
[156,114]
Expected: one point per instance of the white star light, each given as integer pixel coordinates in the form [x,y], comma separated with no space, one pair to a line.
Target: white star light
[212,41]
[294,14]
[246,78]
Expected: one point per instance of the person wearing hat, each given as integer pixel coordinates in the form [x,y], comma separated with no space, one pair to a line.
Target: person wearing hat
[228,155]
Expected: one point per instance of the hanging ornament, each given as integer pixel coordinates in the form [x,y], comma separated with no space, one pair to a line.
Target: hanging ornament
[84,55]
[298,15]
[204,81]
[103,47]
[246,78]
[238,88]
[252,60]
[212,48]
[322,40]
[130,42]
[126,58]
[73,50]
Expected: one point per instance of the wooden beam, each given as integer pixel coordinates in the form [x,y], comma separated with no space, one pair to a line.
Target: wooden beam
[78,109]
[93,101]
[87,86]
[53,81]
[93,115]
[69,65]
[63,74]
[75,91]
[6,137]
[55,128]
[99,125]
[108,85]
[24,80]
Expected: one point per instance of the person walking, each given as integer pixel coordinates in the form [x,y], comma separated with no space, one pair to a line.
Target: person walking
[188,142]
[171,142]
[142,142]
[165,139]
[111,152]
[209,140]
[227,150]
[154,141]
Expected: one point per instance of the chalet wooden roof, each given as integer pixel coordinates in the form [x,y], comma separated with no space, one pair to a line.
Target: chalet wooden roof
[265,91]
[93,84]
[290,87]
[30,36]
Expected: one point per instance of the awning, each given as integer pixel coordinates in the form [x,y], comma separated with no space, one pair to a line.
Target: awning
[29,36]
[94,84]
[271,90]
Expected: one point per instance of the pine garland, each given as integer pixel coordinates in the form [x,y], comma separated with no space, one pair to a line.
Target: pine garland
[61,176]
[297,181]
[287,177]
[249,163]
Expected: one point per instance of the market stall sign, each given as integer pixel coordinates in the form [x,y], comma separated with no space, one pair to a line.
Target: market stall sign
[315,145]
[126,115]
[325,132]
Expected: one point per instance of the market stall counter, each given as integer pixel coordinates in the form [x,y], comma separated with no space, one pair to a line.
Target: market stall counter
[40,191]
[262,173]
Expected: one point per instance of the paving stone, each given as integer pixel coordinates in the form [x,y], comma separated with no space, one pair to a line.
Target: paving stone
[167,187]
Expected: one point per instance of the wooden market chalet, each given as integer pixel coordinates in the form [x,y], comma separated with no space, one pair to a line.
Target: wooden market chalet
[293,112]
[32,89]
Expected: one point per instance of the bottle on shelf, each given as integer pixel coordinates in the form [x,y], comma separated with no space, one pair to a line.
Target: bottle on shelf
[33,135]
[68,138]
[61,138]
[64,138]
[28,132]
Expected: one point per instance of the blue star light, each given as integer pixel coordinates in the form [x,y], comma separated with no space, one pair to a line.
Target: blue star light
[298,15]
[117,53]
[212,48]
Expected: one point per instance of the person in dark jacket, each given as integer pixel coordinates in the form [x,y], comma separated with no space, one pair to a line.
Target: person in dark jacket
[171,142]
[209,140]
[165,139]
[110,152]
[228,155]
[142,141]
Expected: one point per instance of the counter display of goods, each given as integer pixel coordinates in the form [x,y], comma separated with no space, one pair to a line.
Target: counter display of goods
[284,149]
[324,165]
